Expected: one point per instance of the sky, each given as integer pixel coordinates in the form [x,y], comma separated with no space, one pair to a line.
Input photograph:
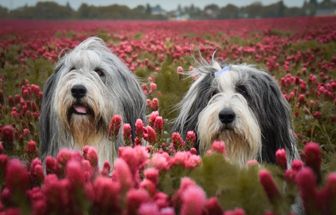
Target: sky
[165,4]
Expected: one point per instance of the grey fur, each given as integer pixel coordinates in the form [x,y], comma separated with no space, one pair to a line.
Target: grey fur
[263,97]
[119,89]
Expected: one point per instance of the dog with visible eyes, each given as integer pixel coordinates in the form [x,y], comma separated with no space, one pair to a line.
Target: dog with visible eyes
[243,107]
[89,85]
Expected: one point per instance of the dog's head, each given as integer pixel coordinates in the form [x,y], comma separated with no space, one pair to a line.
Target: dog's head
[241,106]
[89,85]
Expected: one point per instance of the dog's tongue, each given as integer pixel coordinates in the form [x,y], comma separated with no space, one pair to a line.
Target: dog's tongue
[80,109]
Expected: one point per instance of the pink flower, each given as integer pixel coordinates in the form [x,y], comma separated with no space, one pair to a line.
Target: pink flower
[306,182]
[148,209]
[152,117]
[312,157]
[152,86]
[193,201]
[237,211]
[177,140]
[16,176]
[152,174]
[148,185]
[36,170]
[139,128]
[122,174]
[135,198]
[191,138]
[160,161]
[158,124]
[7,134]
[127,132]
[106,169]
[51,165]
[75,173]
[269,185]
[106,195]
[167,211]
[31,147]
[151,135]
[90,154]
[114,125]
[281,159]
[212,206]
[297,165]
[155,104]
[218,146]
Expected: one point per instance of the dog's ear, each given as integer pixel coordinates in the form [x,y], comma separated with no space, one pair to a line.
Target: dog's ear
[134,101]
[46,123]
[192,104]
[274,117]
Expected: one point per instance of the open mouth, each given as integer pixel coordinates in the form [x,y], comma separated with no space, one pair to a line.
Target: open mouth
[80,109]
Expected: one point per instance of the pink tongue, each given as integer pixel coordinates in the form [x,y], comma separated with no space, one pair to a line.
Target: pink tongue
[80,109]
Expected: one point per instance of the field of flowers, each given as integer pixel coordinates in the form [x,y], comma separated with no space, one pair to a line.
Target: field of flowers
[167,176]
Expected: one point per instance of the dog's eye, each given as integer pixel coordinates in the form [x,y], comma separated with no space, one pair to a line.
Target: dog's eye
[242,90]
[213,93]
[99,71]
[72,68]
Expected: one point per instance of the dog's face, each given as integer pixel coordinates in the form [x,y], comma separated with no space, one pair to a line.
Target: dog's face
[81,87]
[228,117]
[241,106]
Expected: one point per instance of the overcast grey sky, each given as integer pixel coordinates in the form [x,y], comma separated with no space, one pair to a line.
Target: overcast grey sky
[166,4]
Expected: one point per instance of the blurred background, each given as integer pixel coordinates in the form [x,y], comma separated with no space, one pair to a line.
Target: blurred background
[163,10]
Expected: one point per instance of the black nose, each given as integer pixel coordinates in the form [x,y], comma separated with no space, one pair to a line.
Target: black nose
[226,115]
[78,91]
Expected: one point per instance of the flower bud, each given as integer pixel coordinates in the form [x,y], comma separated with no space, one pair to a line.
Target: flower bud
[218,146]
[114,125]
[281,159]
[269,185]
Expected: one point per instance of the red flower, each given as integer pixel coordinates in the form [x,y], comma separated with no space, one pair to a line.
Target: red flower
[106,195]
[127,133]
[122,173]
[269,185]
[212,206]
[149,209]
[31,147]
[152,174]
[135,198]
[90,154]
[306,182]
[158,124]
[191,138]
[312,157]
[193,201]
[114,125]
[155,104]
[281,159]
[218,146]
[7,134]
[139,128]
[17,176]
[151,135]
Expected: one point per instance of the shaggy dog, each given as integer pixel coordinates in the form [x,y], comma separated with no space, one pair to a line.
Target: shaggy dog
[89,85]
[241,106]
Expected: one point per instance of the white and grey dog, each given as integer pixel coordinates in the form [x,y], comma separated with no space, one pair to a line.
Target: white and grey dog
[240,105]
[89,85]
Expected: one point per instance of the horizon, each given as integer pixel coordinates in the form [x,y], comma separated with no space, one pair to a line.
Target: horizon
[166,5]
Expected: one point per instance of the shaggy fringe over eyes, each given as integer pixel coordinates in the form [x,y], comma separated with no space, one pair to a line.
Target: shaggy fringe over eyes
[240,87]
[111,89]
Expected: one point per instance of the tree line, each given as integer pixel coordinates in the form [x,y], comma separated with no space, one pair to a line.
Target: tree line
[52,10]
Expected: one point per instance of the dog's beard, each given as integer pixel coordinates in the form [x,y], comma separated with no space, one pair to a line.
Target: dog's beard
[242,138]
[237,148]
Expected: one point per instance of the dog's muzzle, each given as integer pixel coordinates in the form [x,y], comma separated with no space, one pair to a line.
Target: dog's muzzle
[78,91]
[226,116]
